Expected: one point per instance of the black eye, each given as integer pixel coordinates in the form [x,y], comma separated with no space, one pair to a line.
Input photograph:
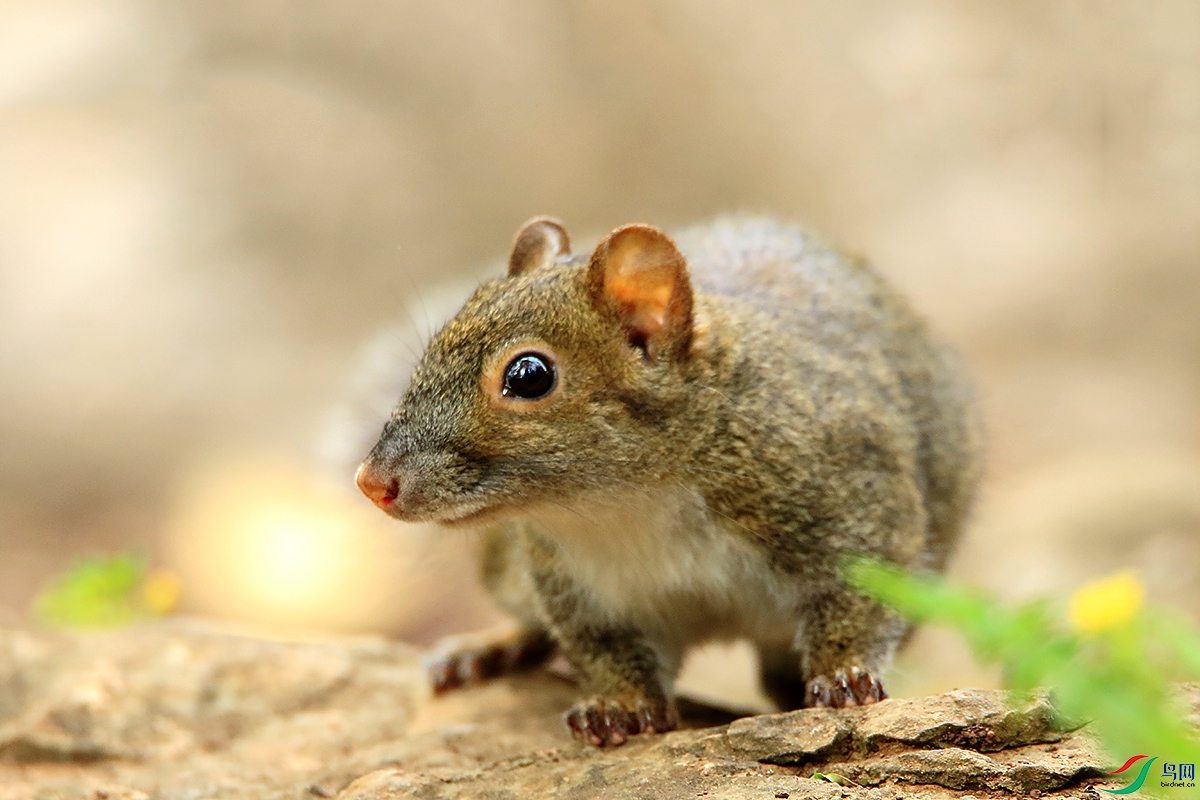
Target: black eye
[528,376]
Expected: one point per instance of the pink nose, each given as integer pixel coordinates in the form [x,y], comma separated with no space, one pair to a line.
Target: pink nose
[380,491]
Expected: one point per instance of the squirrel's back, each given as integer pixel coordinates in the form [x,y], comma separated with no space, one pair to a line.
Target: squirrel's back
[805,309]
[809,289]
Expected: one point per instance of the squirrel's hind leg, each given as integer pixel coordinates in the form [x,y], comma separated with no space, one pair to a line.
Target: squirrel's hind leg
[473,658]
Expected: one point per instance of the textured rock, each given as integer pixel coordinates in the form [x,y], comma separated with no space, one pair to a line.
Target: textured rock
[983,720]
[1021,770]
[178,711]
[796,737]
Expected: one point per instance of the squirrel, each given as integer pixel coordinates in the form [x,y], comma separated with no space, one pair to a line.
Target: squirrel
[673,440]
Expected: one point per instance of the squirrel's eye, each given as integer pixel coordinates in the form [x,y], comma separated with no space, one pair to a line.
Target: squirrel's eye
[528,376]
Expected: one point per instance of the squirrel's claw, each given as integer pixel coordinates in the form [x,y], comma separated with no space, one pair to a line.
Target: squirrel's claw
[455,667]
[605,722]
[458,669]
[846,687]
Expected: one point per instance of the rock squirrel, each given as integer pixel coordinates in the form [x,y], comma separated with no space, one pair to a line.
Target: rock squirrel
[678,439]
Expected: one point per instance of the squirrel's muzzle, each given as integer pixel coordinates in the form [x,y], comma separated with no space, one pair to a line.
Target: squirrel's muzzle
[417,486]
[379,489]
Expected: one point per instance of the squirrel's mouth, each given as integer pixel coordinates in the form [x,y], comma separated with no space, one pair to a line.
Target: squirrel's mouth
[470,516]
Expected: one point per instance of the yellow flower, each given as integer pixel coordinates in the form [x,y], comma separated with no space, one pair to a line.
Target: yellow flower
[1106,603]
[161,591]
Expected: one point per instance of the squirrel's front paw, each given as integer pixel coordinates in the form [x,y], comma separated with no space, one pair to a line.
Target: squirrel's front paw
[605,721]
[844,688]
[464,660]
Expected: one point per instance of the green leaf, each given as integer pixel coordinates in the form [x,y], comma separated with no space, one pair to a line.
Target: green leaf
[833,777]
[94,593]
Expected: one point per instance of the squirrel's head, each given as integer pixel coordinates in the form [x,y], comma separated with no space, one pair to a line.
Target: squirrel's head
[567,376]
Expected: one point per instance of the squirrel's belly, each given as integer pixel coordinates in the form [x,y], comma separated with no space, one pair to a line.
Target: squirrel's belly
[664,564]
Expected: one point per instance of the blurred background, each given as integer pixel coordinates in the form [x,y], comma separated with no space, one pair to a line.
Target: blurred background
[225,227]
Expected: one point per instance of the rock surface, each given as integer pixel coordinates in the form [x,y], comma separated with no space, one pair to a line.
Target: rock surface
[176,711]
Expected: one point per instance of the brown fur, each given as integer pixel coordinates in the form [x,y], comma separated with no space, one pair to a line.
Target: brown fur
[731,418]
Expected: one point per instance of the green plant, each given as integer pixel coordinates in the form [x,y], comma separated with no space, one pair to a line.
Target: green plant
[1109,659]
[106,591]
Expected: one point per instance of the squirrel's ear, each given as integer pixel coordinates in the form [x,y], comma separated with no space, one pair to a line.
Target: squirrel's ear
[540,241]
[638,273]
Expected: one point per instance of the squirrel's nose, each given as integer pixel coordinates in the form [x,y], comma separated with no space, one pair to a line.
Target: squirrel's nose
[380,491]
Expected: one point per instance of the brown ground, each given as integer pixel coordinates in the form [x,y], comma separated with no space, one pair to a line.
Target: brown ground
[178,711]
